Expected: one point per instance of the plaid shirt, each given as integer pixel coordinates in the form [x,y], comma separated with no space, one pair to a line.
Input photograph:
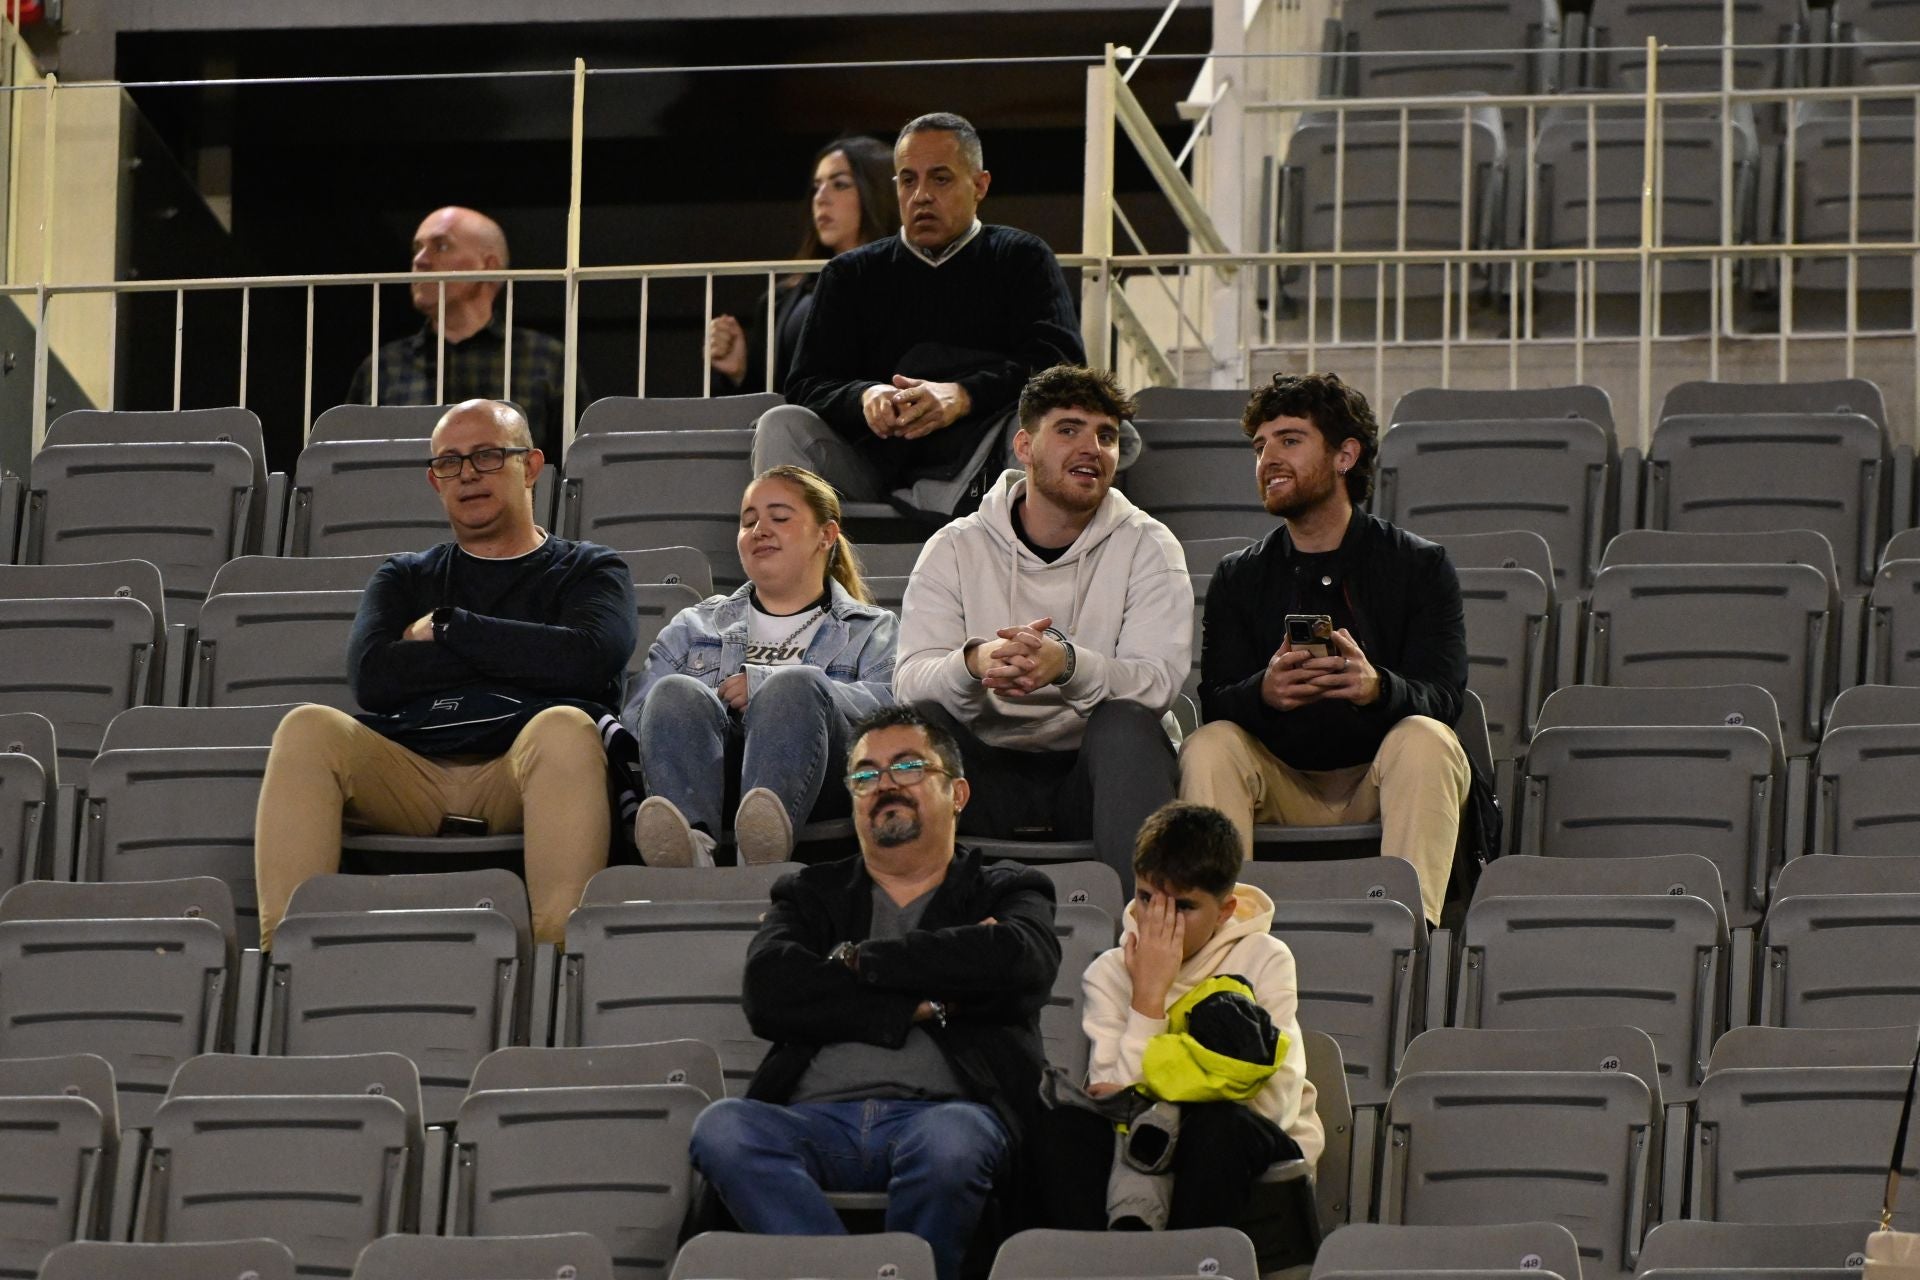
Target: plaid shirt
[477,368]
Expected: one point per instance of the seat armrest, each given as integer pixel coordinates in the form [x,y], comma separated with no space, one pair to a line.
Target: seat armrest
[273,518]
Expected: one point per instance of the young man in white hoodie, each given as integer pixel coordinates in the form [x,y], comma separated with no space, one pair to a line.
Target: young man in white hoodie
[1050,630]
[1190,920]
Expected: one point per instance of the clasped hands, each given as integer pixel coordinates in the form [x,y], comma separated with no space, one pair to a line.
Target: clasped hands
[1295,678]
[913,407]
[1026,659]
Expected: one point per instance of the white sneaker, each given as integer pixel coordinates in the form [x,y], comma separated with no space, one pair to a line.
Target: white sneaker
[665,839]
[762,829]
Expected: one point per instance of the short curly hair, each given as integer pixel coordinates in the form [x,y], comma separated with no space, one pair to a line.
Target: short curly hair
[1336,409]
[1183,845]
[1073,386]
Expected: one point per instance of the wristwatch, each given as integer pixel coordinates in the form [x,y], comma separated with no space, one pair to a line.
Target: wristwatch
[1066,672]
[441,617]
[848,954]
[938,1009]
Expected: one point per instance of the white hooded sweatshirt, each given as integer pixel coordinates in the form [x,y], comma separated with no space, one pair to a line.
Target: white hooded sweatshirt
[1240,946]
[1120,593]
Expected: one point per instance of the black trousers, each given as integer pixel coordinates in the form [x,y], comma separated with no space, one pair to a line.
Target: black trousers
[1223,1149]
[1123,771]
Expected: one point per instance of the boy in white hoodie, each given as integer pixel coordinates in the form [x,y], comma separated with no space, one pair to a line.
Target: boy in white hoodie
[1051,629]
[1190,920]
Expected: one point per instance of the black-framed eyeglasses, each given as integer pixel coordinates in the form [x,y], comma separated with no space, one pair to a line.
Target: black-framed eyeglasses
[906,774]
[485,461]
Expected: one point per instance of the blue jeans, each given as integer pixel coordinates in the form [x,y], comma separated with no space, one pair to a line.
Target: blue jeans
[772,1165]
[794,737]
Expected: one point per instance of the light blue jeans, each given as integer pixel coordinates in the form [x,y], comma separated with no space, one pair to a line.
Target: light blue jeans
[773,1165]
[793,739]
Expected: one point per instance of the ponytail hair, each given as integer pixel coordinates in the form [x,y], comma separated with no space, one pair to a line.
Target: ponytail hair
[843,562]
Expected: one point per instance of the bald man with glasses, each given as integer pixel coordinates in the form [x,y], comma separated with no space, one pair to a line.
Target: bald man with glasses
[482,666]
[902,992]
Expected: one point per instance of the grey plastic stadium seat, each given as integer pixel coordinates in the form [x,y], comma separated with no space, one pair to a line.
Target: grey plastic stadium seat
[1628,1050]
[79,644]
[1085,932]
[1457,476]
[1188,403]
[363,497]
[1478,1273]
[1812,1047]
[288,646]
[376,422]
[1586,1159]
[1754,473]
[1749,1273]
[258,1259]
[1474,404]
[136,973]
[1830,874]
[656,605]
[269,574]
[1893,625]
[1618,31]
[1393,879]
[1196,476]
[163,813]
[1584,956]
[1769,547]
[1863,798]
[1504,549]
[685,884]
[1366,1247]
[893,1255]
[1841,959]
[682,566]
[1825,211]
[889,559]
[1876,38]
[676,413]
[1509,47]
[1874,704]
[1610,791]
[889,592]
[1045,1254]
[572,1255]
[1335,1188]
[1709,705]
[1686,207]
[688,1062]
[57,1115]
[635,972]
[1091,884]
[25,817]
[1692,1243]
[660,488]
[1509,616]
[1205,554]
[610,1160]
[1832,395]
[329,1172]
[187,507]
[1441,143]
[151,728]
[432,966]
[1796,1144]
[1677,625]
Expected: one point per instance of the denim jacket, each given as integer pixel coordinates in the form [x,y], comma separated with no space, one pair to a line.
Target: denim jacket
[708,641]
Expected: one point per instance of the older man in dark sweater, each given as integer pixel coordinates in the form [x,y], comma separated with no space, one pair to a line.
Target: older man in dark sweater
[917,346]
[482,664]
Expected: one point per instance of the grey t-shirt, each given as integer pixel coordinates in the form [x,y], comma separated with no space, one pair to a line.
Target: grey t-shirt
[849,1070]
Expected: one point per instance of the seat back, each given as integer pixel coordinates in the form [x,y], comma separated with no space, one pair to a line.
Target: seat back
[1085,932]
[1692,1244]
[660,488]
[1893,625]
[1091,884]
[1472,404]
[610,1160]
[1829,179]
[245,1075]
[676,413]
[1438,479]
[655,605]
[1332,1176]
[24,817]
[1796,1144]
[1612,791]
[363,497]
[151,728]
[1760,1046]
[670,566]
[1205,554]
[888,592]
[136,973]
[1393,879]
[635,972]
[1196,477]
[376,422]
[688,1062]
[288,646]
[1709,705]
[1755,473]
[1587,1162]
[51,1184]
[574,1255]
[1618,31]
[1046,1254]
[685,884]
[1842,960]
[1505,549]
[1863,780]
[1537,1247]
[186,507]
[1833,395]
[1509,614]
[1357,961]
[890,1255]
[257,1259]
[1845,875]
[276,573]
[1190,403]
[1456,37]
[1674,625]
[330,1173]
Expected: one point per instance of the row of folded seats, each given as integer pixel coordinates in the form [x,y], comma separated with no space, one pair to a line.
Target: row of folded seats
[406,1059]
[1549,176]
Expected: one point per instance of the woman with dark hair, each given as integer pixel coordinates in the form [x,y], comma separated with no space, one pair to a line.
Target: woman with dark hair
[852,204]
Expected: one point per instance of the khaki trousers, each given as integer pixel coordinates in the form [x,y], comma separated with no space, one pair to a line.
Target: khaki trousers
[1414,788]
[326,767]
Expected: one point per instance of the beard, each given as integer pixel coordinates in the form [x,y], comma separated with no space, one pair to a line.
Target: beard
[896,824]
[1309,494]
[1053,486]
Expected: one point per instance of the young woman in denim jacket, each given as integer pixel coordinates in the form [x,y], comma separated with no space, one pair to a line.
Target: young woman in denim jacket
[705,706]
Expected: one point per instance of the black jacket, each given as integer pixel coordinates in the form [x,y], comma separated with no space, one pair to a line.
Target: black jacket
[1397,595]
[994,978]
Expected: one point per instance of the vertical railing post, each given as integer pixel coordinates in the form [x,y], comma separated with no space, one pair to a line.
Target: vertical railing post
[1649,155]
[1233,201]
[43,334]
[1096,215]
[571,386]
